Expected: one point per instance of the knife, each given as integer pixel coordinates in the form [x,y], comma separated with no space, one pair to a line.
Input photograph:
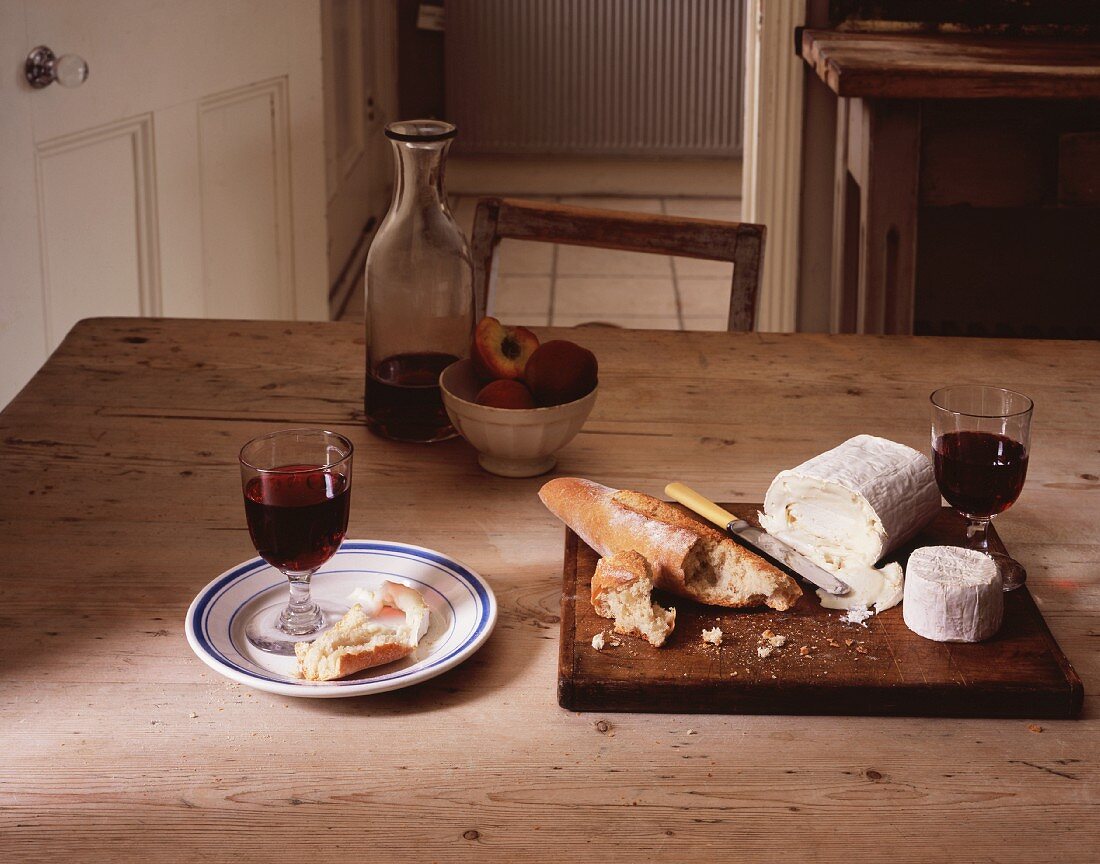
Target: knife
[757,541]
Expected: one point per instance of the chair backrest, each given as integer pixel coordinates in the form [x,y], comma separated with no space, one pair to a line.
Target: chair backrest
[740,243]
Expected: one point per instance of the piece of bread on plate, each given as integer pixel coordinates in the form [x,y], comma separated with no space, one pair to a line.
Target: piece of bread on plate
[621,589]
[688,558]
[362,639]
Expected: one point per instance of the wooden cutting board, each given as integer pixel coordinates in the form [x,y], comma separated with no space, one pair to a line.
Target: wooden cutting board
[883,669]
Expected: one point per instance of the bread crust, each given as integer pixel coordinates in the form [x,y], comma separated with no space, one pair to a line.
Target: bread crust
[350,663]
[612,521]
[617,572]
[330,656]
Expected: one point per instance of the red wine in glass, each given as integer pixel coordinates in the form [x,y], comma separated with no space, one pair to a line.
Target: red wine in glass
[297,494]
[297,517]
[980,473]
[981,438]
[403,401]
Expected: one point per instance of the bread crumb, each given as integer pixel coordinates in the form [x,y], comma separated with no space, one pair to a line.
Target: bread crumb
[860,649]
[776,641]
[767,634]
[1034,727]
[692,732]
[833,643]
[764,651]
[804,651]
[849,642]
[192,715]
[713,635]
[598,641]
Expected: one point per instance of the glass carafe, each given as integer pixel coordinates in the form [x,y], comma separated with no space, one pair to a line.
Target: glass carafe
[419,291]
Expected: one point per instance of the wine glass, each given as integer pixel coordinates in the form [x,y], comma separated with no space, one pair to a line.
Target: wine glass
[981,438]
[297,494]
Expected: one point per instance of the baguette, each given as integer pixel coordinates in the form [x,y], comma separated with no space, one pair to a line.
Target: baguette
[689,559]
[621,589]
[360,640]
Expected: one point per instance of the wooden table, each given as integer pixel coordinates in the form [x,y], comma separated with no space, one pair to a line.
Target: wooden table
[122,500]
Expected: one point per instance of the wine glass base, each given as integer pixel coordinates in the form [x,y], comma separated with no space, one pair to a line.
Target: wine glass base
[264,630]
[1013,574]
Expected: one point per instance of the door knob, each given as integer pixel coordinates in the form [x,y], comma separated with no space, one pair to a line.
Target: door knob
[43,67]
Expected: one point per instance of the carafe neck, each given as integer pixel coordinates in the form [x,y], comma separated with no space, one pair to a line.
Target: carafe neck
[418,177]
[420,151]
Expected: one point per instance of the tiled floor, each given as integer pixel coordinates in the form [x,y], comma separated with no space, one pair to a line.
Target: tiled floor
[544,284]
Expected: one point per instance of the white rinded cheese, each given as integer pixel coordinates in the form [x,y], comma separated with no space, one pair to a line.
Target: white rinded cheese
[849,507]
[953,594]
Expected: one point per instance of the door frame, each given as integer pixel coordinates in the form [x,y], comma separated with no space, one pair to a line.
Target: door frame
[771,177]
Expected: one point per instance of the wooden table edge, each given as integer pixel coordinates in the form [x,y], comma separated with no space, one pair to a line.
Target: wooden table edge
[930,84]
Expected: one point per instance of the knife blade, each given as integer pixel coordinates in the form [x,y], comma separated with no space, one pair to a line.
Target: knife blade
[758,541]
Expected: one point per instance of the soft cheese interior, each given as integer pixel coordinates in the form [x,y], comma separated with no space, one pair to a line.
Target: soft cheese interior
[396,609]
[848,508]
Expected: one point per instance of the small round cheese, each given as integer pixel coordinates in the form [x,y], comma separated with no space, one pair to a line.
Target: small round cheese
[952,594]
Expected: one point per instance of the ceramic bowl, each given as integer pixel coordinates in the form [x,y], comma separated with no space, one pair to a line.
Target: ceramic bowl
[511,442]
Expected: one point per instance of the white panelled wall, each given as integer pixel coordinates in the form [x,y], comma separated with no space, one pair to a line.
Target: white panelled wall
[185,177]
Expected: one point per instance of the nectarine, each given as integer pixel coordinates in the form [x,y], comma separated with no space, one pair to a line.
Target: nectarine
[505,393]
[499,351]
[560,372]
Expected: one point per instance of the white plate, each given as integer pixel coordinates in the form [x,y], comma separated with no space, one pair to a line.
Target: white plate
[463,612]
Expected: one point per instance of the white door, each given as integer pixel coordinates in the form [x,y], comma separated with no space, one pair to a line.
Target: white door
[184,177]
[360,50]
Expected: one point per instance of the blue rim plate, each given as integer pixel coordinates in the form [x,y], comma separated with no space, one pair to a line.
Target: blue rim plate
[463,612]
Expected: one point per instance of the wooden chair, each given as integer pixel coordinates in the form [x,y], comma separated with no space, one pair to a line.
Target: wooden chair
[740,243]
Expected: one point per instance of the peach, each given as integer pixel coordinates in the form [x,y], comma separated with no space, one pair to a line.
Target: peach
[505,393]
[499,351]
[560,372]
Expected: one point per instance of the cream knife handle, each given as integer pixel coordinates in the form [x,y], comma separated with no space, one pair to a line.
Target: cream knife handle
[698,504]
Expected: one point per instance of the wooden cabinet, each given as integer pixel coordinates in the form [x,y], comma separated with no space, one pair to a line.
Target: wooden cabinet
[965,182]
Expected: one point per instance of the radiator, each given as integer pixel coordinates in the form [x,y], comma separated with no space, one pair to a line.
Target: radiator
[600,77]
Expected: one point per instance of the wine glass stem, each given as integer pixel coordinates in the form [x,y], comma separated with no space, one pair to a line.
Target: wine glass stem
[302,616]
[977,532]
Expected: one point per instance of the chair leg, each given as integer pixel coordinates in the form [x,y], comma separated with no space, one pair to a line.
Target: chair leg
[748,257]
[484,251]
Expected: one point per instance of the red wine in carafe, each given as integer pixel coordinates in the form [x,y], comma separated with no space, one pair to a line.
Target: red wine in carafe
[298,519]
[403,400]
[980,473]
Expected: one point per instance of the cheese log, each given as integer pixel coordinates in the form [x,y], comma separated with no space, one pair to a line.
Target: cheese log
[953,594]
[688,558]
[853,504]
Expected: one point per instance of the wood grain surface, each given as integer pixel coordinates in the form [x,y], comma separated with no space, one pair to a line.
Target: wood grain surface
[919,66]
[824,666]
[122,499]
